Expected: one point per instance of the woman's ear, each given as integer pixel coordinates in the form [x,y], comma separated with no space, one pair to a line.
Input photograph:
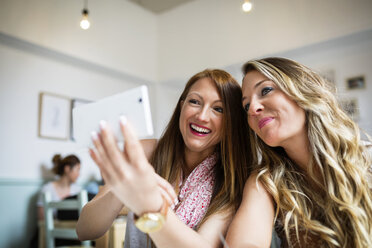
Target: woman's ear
[67,169]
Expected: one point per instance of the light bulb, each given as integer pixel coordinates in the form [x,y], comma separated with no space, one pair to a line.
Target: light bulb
[84,23]
[247,6]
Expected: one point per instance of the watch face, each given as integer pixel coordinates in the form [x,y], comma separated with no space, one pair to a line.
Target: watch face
[150,222]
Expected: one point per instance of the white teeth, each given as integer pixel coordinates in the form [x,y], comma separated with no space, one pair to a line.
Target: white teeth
[200,129]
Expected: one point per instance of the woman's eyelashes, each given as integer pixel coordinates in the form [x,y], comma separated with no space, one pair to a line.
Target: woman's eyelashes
[197,102]
[246,107]
[218,109]
[194,101]
[266,90]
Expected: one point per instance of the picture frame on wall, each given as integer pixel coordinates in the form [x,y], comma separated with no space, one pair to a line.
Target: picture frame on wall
[75,103]
[54,116]
[351,108]
[355,83]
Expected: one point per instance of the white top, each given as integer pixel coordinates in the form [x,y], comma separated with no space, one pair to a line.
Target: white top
[49,187]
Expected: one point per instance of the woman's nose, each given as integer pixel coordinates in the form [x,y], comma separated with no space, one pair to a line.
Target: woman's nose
[203,114]
[255,107]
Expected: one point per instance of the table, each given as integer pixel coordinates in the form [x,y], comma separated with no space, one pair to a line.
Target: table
[113,238]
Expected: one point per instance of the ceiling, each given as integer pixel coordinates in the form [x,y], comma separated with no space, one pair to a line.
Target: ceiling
[159,6]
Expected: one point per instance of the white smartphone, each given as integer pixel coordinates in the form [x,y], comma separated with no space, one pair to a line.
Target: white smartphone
[133,103]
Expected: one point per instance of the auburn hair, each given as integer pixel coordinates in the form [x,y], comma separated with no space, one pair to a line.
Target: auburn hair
[232,168]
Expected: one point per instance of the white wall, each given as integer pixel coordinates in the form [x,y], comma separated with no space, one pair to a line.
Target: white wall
[23,76]
[216,33]
[348,57]
[42,48]
[25,71]
[166,101]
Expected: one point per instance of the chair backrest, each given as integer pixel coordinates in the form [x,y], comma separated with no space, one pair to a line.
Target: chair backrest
[51,232]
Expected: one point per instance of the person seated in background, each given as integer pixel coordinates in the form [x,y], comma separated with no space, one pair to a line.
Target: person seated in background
[68,170]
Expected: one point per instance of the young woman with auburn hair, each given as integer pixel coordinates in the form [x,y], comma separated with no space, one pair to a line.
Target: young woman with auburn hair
[200,161]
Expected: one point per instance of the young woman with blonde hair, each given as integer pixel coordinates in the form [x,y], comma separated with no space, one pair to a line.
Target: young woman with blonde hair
[201,154]
[310,168]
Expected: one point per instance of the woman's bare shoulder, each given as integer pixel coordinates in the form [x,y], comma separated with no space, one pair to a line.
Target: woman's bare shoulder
[253,223]
[253,183]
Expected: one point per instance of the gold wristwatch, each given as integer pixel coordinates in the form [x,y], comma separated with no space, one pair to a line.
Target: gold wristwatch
[152,222]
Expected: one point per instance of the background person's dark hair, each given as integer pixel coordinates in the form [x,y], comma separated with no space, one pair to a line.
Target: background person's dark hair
[60,163]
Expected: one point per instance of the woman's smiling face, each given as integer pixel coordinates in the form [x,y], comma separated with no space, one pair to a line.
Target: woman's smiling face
[201,117]
[272,115]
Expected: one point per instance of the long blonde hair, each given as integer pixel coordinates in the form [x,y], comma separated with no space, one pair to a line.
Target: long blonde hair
[232,168]
[338,207]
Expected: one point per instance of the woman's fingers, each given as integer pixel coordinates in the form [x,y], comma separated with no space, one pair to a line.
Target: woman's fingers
[111,148]
[166,188]
[99,164]
[166,196]
[98,156]
[102,160]
[133,148]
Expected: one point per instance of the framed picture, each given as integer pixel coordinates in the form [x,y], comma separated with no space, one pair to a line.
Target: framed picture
[355,83]
[75,103]
[54,116]
[350,106]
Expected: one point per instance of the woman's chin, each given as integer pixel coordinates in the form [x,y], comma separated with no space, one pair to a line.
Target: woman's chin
[199,147]
[270,141]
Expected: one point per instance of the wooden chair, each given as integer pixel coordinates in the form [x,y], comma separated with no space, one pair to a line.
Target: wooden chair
[114,237]
[50,229]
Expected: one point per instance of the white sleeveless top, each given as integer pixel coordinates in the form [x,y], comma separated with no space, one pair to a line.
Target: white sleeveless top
[49,187]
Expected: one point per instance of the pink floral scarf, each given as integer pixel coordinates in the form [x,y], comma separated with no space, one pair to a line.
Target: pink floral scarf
[196,192]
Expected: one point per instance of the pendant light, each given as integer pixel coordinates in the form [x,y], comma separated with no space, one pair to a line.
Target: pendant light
[84,23]
[247,6]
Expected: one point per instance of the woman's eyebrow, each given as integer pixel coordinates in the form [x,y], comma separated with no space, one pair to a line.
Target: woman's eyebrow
[260,82]
[256,85]
[196,93]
